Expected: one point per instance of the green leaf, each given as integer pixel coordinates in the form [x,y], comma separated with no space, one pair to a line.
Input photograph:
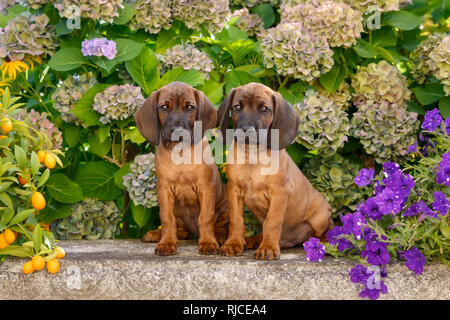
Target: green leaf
[37,238]
[64,190]
[125,14]
[72,134]
[55,211]
[35,164]
[83,108]
[192,77]
[266,13]
[99,148]
[134,135]
[297,152]
[143,70]
[21,156]
[103,132]
[386,54]
[66,59]
[403,20]
[290,96]
[384,37]
[239,49]
[415,107]
[17,251]
[444,107]
[236,78]
[332,79]
[365,49]
[62,29]
[140,215]
[166,39]
[118,180]
[429,94]
[96,179]
[21,216]
[44,178]
[213,90]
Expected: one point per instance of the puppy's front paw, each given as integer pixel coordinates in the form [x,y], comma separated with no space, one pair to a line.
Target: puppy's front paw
[267,252]
[232,248]
[208,247]
[152,236]
[166,249]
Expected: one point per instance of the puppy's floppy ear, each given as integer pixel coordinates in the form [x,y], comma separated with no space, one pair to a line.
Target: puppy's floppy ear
[285,119]
[206,113]
[224,112]
[147,119]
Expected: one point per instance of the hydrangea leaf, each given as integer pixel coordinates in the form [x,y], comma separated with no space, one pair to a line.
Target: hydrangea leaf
[332,79]
[444,107]
[236,78]
[365,49]
[143,70]
[266,13]
[64,190]
[66,59]
[118,180]
[83,108]
[100,148]
[140,214]
[192,77]
[429,94]
[166,39]
[72,134]
[403,20]
[125,14]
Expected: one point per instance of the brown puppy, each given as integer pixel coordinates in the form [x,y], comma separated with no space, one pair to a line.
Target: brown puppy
[287,206]
[192,197]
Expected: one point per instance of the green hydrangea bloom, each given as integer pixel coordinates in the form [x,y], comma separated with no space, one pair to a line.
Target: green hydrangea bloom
[333,177]
[105,10]
[296,52]
[380,82]
[341,97]
[90,219]
[375,5]
[140,182]
[27,35]
[249,22]
[338,22]
[40,122]
[420,57]
[187,57]
[36,4]
[440,63]
[69,92]
[385,130]
[253,3]
[323,126]
[152,15]
[5,4]
[118,102]
[198,14]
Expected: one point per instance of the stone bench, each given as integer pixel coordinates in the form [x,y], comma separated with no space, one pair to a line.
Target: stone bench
[128,269]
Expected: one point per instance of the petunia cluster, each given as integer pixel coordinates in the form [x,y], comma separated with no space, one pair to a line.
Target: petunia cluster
[152,15]
[202,14]
[69,92]
[296,52]
[324,126]
[27,35]
[338,22]
[105,10]
[187,57]
[140,182]
[90,219]
[118,102]
[99,47]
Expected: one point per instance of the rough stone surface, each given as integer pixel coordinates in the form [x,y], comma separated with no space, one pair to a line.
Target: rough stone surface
[128,269]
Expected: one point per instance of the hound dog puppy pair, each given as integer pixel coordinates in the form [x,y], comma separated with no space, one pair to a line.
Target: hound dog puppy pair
[191,196]
[285,203]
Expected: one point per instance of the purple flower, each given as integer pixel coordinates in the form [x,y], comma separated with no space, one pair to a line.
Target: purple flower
[389,201]
[401,183]
[379,187]
[441,204]
[358,274]
[427,147]
[432,120]
[390,167]
[373,285]
[415,260]
[336,236]
[415,209]
[376,253]
[413,148]
[443,175]
[371,210]
[374,292]
[364,177]
[353,223]
[445,160]
[447,125]
[315,251]
[99,47]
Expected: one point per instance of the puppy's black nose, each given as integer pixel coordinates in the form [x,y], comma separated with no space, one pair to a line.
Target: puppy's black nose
[248,128]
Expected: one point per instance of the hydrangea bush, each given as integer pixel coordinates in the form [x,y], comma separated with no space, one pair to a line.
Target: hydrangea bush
[371,93]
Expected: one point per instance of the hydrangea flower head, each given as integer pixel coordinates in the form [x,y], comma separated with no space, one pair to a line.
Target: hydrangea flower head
[99,47]
[315,251]
[432,120]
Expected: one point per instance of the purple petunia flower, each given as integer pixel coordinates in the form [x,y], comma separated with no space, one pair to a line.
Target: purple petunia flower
[373,285]
[353,223]
[371,210]
[376,253]
[445,160]
[401,183]
[99,47]
[389,201]
[432,120]
[447,126]
[415,260]
[413,148]
[390,167]
[441,204]
[443,174]
[336,236]
[358,274]
[315,251]
[415,209]
[364,177]
[374,293]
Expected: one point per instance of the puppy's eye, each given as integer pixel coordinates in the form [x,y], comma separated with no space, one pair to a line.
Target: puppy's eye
[163,107]
[190,108]
[236,108]
[263,109]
